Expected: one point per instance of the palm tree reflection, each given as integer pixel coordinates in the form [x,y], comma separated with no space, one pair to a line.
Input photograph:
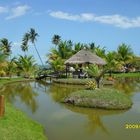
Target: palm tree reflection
[22,91]
[94,117]
[58,92]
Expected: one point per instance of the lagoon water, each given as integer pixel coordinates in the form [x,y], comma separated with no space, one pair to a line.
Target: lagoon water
[42,103]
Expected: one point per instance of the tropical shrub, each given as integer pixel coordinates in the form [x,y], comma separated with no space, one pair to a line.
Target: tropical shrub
[91,85]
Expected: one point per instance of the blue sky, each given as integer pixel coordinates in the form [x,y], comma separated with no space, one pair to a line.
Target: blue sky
[106,22]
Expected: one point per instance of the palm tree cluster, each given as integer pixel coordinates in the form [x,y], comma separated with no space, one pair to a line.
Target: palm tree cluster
[123,59]
[21,65]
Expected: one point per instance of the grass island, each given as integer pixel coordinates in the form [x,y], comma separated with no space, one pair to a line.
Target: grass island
[99,98]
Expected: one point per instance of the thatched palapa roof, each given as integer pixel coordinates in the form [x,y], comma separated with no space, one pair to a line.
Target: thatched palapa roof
[85,56]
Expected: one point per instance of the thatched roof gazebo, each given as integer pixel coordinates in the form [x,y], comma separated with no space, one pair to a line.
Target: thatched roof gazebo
[85,56]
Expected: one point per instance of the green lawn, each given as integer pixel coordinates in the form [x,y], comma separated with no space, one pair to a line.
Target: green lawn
[15,125]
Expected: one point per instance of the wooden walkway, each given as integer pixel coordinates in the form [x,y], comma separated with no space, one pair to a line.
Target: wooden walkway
[50,75]
[46,76]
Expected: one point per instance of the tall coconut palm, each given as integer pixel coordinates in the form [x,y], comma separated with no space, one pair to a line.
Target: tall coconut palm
[25,40]
[56,39]
[5,46]
[64,49]
[33,39]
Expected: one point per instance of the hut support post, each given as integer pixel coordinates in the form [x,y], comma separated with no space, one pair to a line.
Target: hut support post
[66,71]
[2,106]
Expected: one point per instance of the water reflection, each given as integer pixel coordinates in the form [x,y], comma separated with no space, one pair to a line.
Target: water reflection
[128,85]
[43,101]
[94,117]
[58,91]
[22,91]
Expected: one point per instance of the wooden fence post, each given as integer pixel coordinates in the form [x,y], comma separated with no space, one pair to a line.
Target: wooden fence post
[2,106]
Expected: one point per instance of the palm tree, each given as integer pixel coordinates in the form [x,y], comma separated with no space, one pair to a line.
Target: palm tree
[26,65]
[3,63]
[77,47]
[101,52]
[11,67]
[111,61]
[92,47]
[57,64]
[94,71]
[25,40]
[5,46]
[125,55]
[33,39]
[56,39]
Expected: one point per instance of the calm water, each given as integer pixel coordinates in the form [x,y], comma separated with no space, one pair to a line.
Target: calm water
[64,122]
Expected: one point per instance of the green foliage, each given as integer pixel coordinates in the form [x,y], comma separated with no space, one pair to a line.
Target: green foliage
[94,71]
[5,46]
[57,64]
[26,65]
[56,39]
[11,67]
[101,52]
[125,54]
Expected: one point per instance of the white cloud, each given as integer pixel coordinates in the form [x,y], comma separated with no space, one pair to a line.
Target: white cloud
[115,20]
[3,9]
[18,11]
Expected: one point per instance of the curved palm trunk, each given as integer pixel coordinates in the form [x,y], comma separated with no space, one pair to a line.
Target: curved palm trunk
[38,55]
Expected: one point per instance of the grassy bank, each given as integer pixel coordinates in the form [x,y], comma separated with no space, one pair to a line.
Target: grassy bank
[11,80]
[16,126]
[100,98]
[73,81]
[121,75]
